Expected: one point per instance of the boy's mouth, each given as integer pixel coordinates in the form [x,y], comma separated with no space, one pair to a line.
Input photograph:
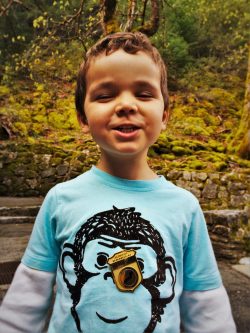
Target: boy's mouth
[126,128]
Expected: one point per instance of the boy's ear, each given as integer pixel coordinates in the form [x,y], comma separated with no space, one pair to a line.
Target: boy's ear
[165,118]
[84,128]
[83,124]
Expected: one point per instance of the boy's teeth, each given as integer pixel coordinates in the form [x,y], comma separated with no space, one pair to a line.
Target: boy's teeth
[126,129]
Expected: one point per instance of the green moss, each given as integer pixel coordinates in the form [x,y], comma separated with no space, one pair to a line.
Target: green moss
[216,146]
[36,129]
[196,165]
[4,91]
[67,139]
[24,115]
[220,166]
[180,151]
[20,129]
[169,157]
[40,118]
[208,117]
[151,151]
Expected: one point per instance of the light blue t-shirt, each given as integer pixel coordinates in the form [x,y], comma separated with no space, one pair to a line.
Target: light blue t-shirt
[85,221]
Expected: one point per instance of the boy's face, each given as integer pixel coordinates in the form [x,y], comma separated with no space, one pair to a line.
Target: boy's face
[124,105]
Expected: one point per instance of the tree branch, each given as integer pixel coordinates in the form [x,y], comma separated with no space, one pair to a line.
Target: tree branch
[131,15]
[4,9]
[150,28]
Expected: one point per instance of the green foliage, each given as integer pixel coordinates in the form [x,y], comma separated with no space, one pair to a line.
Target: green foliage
[20,129]
[4,91]
[203,43]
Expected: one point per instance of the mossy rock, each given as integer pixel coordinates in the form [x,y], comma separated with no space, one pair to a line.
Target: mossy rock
[194,129]
[20,129]
[216,146]
[220,166]
[56,161]
[169,157]
[180,151]
[67,139]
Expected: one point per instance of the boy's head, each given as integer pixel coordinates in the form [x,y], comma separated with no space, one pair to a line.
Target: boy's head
[128,42]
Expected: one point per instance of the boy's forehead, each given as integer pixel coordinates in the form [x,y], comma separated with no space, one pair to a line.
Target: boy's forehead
[120,56]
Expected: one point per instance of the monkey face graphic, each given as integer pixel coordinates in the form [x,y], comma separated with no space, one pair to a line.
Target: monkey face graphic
[97,305]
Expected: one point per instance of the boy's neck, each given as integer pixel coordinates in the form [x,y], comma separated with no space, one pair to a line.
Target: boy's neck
[127,168]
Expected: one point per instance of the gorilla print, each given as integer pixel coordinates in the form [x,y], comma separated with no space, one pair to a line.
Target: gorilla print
[97,305]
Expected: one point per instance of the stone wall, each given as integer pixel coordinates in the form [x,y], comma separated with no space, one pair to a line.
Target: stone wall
[31,170]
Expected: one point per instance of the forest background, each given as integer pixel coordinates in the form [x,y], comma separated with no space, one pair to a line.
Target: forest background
[205,45]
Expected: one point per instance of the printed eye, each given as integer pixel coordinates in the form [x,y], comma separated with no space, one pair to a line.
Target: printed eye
[101,260]
[141,263]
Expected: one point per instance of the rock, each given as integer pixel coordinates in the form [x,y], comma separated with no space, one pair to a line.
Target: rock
[187,175]
[233,219]
[46,158]
[234,187]
[237,201]
[240,233]
[199,176]
[20,171]
[214,176]
[48,172]
[195,192]
[62,169]
[7,182]
[244,261]
[32,183]
[223,194]
[210,190]
[173,174]
[221,230]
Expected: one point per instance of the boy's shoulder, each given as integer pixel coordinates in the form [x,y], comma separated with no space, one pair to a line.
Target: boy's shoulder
[70,186]
[76,181]
[184,195]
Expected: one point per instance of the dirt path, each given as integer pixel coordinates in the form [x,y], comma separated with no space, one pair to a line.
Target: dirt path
[238,288]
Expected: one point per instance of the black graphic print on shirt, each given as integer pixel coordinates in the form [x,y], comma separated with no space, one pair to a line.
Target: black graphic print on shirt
[88,276]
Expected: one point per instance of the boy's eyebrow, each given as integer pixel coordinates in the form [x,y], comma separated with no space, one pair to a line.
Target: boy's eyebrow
[145,84]
[104,85]
[136,84]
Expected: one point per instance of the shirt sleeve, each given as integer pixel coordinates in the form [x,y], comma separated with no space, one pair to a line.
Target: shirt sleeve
[206,312]
[200,267]
[42,252]
[25,306]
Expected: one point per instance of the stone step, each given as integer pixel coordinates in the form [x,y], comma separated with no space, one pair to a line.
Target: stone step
[19,211]
[232,218]
[16,219]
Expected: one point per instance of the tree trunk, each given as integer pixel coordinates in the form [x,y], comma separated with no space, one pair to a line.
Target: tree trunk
[150,27]
[109,21]
[244,130]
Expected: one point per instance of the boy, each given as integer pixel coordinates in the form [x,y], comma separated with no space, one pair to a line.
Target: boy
[130,250]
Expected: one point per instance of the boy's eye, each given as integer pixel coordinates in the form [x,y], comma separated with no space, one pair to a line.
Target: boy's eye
[103,97]
[145,94]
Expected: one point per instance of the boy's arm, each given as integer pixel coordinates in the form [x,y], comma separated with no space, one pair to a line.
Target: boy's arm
[206,311]
[26,303]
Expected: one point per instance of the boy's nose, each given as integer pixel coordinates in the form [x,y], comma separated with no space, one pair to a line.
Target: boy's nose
[124,109]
